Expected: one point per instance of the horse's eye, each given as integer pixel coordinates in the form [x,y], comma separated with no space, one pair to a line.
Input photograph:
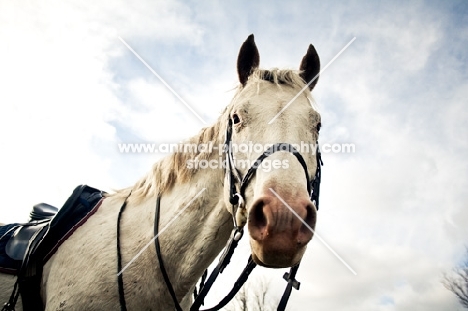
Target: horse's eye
[235,119]
[319,125]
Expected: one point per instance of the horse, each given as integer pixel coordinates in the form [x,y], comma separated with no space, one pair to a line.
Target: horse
[198,196]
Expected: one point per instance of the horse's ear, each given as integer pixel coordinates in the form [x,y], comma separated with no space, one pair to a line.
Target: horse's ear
[310,67]
[248,59]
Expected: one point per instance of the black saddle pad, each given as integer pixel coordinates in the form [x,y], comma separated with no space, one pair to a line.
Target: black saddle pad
[83,202]
[77,209]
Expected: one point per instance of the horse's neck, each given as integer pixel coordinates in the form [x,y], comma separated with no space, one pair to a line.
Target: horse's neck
[194,227]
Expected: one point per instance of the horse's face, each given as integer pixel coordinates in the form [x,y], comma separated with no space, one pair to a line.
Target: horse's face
[279,213]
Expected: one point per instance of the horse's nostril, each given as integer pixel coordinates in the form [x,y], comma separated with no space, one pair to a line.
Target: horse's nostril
[257,216]
[310,219]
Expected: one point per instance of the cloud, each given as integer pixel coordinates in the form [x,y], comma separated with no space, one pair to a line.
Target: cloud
[59,97]
[389,203]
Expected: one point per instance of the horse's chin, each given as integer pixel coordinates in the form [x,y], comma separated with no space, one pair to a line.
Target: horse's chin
[271,258]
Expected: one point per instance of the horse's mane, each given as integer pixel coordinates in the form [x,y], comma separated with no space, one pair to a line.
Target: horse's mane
[278,77]
[172,168]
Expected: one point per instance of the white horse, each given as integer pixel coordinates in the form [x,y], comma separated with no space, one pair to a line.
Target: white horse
[195,202]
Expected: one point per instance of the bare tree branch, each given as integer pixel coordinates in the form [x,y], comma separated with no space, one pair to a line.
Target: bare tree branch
[254,297]
[457,283]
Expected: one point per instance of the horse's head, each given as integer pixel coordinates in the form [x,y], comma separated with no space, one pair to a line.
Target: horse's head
[271,107]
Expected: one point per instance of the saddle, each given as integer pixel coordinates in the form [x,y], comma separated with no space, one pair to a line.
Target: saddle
[25,248]
[18,243]
[17,238]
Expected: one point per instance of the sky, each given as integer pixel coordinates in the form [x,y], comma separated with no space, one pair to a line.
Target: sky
[394,210]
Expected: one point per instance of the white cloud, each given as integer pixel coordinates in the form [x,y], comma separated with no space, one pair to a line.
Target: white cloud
[58,94]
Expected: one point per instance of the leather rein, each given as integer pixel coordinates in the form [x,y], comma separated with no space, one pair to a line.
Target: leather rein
[237,186]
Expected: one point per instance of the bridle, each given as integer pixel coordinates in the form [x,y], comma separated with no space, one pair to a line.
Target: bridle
[236,195]
[237,187]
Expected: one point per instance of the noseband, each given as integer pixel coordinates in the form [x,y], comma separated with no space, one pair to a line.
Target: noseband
[236,196]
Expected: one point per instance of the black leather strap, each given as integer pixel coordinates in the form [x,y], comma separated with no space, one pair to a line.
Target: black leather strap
[224,260]
[237,285]
[160,259]
[123,304]
[318,178]
[313,187]
[272,149]
[292,282]
[10,305]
